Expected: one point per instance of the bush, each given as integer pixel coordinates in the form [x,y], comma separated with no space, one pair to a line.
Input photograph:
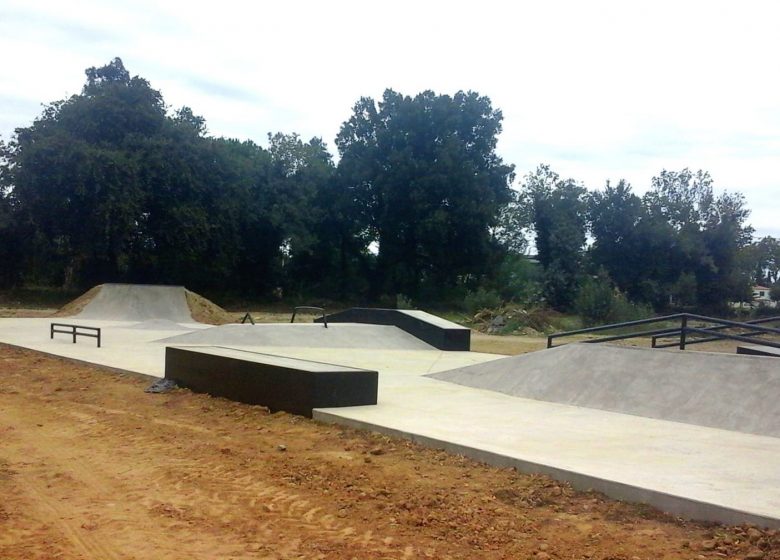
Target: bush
[481,299]
[594,300]
[598,303]
[518,279]
[624,310]
[403,302]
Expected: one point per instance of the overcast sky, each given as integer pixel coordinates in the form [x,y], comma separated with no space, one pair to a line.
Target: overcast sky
[599,90]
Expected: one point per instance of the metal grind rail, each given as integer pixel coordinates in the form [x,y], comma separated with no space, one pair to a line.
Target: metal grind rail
[672,334]
[74,331]
[309,309]
[682,332]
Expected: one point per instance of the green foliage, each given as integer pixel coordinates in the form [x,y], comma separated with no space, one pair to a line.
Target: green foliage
[481,299]
[762,258]
[774,292]
[107,185]
[679,240]
[518,279]
[595,300]
[428,185]
[403,302]
[558,210]
[599,303]
[684,291]
[624,310]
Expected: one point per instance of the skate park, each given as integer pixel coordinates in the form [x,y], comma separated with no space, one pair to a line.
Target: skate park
[694,434]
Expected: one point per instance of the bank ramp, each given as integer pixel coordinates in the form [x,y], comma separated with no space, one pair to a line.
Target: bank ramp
[138,302]
[725,391]
[308,335]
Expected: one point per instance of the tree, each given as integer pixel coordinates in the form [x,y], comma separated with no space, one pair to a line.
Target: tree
[711,231]
[75,177]
[774,292]
[763,257]
[613,215]
[559,218]
[428,185]
[10,239]
[106,186]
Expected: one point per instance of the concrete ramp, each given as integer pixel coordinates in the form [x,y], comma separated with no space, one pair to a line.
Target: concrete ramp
[138,302]
[725,391]
[309,335]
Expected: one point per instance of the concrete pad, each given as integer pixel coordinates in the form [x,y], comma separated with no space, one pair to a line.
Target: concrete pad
[718,390]
[138,302]
[124,347]
[311,335]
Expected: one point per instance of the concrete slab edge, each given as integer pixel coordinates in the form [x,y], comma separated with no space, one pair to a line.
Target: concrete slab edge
[145,376]
[678,506]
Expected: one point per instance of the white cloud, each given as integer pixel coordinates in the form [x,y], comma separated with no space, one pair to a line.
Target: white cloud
[600,89]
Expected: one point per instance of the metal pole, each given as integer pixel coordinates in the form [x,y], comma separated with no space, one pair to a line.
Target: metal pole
[683,328]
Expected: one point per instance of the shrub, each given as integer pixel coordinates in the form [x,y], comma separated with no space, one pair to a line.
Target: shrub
[624,310]
[403,302]
[594,300]
[518,279]
[481,299]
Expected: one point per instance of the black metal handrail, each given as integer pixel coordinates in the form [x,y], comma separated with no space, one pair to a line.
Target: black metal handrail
[682,332]
[676,333]
[74,331]
[310,308]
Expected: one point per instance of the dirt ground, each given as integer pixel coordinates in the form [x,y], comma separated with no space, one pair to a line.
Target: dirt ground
[93,468]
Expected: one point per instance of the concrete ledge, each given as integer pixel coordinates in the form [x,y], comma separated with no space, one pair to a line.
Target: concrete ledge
[280,383]
[438,332]
[675,505]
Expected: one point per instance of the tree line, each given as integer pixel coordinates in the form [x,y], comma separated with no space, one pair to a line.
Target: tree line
[110,185]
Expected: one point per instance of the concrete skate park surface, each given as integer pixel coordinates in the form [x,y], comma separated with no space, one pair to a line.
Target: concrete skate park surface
[690,470]
[724,391]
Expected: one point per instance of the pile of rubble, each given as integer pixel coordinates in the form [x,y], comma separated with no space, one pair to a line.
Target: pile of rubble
[512,319]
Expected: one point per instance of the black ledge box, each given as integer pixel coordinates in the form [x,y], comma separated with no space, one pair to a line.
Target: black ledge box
[438,332]
[280,383]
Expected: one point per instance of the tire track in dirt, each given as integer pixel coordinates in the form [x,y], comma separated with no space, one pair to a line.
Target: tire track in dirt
[192,481]
[61,516]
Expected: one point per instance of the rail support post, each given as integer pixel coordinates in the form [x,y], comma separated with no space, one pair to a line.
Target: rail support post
[683,328]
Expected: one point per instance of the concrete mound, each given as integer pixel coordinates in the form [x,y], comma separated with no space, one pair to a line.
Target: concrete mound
[138,302]
[725,391]
[310,335]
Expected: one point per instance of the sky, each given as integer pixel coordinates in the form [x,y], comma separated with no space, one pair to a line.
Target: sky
[596,89]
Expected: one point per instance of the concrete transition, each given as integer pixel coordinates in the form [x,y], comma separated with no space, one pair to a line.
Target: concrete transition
[310,335]
[138,302]
[438,332]
[723,391]
[278,382]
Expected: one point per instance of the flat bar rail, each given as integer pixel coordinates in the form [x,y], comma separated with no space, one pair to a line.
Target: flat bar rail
[682,332]
[75,331]
[321,310]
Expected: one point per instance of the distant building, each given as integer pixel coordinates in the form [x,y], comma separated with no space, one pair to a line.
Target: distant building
[761,297]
